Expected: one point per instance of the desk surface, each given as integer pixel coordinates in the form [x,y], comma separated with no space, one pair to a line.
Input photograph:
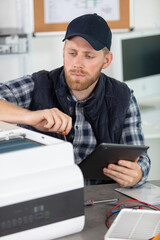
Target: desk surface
[95,216]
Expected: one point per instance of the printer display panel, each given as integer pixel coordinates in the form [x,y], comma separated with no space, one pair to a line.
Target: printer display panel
[18,143]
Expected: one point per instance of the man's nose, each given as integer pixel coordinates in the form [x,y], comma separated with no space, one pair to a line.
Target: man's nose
[79,61]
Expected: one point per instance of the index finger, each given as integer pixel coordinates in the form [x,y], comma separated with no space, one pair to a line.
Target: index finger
[127,163]
[137,159]
[68,126]
[49,119]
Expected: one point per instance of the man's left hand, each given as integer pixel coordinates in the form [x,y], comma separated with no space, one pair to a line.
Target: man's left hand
[126,173]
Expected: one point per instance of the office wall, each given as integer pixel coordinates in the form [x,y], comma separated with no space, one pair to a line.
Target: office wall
[146,16]
[46,51]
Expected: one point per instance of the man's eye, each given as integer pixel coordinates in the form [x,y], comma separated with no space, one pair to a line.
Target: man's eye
[72,53]
[89,56]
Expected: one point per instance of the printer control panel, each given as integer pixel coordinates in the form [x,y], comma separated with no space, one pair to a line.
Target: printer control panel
[42,211]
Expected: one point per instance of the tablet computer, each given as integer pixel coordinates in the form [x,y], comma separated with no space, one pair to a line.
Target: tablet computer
[106,153]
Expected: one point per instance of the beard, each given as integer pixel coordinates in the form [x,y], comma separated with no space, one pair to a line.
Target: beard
[83,83]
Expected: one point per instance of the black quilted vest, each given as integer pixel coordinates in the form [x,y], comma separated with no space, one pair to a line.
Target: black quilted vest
[106,111]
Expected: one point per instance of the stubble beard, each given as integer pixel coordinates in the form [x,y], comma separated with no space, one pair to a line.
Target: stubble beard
[80,84]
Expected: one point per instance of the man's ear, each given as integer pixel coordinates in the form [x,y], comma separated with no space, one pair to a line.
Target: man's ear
[108,60]
[64,46]
[63,50]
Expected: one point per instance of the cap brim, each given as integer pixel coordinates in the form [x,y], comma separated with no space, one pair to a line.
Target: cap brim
[93,42]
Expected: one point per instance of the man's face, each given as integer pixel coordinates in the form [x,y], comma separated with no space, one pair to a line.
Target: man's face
[82,64]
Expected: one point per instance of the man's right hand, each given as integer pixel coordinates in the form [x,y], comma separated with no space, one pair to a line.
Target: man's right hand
[50,120]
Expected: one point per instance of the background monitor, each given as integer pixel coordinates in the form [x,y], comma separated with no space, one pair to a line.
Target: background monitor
[136,61]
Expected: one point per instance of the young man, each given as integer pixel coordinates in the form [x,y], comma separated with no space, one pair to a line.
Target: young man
[91,107]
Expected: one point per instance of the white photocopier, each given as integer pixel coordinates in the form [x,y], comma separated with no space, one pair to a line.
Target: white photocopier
[41,188]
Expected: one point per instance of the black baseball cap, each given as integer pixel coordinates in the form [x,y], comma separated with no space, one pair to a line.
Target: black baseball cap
[93,28]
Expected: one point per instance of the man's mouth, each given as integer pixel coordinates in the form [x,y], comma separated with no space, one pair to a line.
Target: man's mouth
[77,74]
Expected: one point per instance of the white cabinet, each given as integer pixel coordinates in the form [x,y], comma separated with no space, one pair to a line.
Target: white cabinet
[16,20]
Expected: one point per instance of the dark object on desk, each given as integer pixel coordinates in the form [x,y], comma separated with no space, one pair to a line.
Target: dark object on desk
[92,202]
[92,166]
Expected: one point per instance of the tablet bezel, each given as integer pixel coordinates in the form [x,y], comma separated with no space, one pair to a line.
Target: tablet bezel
[105,153]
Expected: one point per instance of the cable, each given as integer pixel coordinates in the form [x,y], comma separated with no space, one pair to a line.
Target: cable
[107,219]
[119,204]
